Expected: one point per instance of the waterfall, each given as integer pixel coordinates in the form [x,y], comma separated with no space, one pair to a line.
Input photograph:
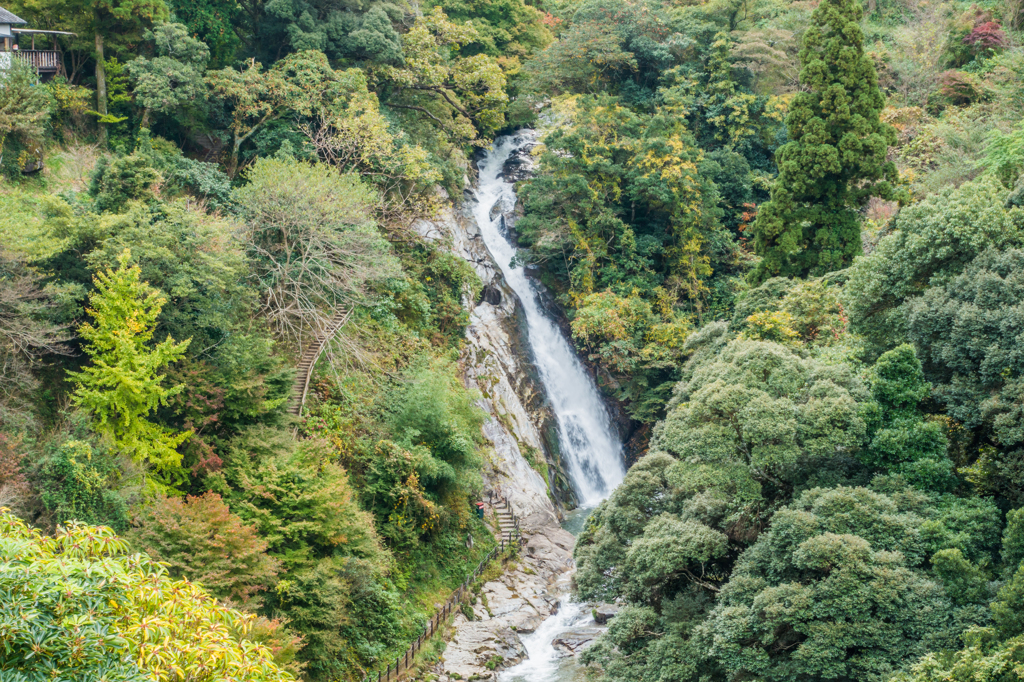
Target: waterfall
[543,663]
[590,448]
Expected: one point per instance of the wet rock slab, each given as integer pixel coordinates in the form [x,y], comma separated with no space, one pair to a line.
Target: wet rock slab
[519,165]
[574,642]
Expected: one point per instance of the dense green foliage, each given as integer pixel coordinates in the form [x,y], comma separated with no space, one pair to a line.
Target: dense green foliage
[171,305]
[788,238]
[836,156]
[833,490]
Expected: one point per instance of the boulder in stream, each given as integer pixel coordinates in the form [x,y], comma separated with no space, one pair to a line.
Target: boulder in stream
[605,612]
[574,642]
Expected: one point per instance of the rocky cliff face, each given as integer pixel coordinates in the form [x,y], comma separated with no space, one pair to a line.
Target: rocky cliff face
[519,428]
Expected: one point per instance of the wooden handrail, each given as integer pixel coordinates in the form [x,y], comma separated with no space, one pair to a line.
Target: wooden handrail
[311,355]
[404,661]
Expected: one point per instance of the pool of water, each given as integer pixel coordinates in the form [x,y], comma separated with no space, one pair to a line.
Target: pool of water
[576,519]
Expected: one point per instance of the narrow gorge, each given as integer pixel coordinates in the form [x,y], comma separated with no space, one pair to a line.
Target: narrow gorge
[545,415]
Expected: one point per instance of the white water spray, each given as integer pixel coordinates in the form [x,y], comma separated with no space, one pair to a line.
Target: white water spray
[543,663]
[589,446]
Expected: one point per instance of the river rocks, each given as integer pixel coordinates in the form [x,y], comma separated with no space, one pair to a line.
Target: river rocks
[529,626]
[575,642]
[519,165]
[476,644]
[514,605]
[552,549]
[604,613]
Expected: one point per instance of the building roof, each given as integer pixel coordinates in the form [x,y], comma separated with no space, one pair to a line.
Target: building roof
[8,18]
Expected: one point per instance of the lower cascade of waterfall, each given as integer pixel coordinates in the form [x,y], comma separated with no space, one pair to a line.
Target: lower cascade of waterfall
[543,662]
[590,448]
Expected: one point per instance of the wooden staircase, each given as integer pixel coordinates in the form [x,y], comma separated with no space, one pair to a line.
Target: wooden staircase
[308,361]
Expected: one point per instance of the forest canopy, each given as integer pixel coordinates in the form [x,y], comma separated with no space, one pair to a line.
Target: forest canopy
[787,238]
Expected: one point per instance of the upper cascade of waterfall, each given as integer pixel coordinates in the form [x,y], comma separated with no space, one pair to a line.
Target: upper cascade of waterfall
[590,448]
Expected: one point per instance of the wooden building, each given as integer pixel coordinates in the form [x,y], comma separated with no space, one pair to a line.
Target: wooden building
[13,37]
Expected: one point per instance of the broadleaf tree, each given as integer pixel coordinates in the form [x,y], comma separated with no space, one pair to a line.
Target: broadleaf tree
[123,385]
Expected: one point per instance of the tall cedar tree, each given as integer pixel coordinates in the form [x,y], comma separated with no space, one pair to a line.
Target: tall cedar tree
[835,159]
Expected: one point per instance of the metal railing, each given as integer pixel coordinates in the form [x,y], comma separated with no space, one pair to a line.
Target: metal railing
[405,661]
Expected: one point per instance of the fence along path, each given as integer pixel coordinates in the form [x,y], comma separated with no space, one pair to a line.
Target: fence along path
[308,360]
[509,540]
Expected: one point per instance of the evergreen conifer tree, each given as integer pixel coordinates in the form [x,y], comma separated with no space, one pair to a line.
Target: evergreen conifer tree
[835,159]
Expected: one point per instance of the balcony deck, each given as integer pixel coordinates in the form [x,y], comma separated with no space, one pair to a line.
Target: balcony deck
[44,61]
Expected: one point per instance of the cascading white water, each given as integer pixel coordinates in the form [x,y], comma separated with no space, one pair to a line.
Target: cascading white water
[589,446]
[543,663]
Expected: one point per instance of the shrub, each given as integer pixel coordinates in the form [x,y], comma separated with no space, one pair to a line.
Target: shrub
[77,606]
[78,483]
[200,539]
[830,592]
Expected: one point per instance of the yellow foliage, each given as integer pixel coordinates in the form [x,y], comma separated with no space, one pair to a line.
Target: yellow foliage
[171,629]
[773,325]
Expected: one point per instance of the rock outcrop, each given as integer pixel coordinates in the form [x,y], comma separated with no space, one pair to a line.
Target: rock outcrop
[512,396]
[518,602]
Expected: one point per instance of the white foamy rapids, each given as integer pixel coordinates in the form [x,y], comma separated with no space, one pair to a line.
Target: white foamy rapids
[543,662]
[590,448]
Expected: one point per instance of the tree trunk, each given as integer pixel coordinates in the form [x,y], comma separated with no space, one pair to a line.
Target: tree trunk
[145,118]
[101,86]
[233,162]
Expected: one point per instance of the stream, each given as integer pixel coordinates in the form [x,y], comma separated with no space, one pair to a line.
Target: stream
[590,447]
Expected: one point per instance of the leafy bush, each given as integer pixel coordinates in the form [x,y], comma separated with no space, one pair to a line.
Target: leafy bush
[641,348]
[831,591]
[93,610]
[78,483]
[933,241]
[901,440]
[760,405]
[296,498]
[117,181]
[200,539]
[24,109]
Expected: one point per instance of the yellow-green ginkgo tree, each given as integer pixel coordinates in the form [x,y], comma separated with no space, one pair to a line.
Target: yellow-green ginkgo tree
[123,384]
